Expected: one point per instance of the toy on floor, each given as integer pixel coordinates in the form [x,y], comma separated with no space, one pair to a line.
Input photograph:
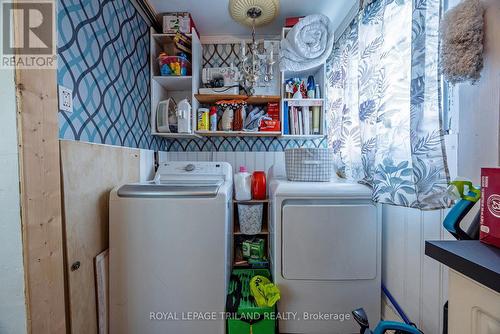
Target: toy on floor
[383,326]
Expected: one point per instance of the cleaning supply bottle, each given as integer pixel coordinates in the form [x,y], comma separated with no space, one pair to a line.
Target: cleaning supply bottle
[184,117]
[227,119]
[243,185]
[259,185]
[202,119]
[213,118]
[317,92]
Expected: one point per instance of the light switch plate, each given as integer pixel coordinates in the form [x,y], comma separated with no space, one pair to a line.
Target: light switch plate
[65,99]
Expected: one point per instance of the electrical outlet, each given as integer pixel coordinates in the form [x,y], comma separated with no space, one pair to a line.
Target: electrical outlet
[65,99]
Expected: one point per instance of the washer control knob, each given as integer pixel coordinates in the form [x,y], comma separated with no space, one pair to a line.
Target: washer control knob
[190,168]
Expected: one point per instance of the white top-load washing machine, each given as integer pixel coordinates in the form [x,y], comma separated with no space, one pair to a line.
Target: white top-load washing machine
[325,254]
[170,250]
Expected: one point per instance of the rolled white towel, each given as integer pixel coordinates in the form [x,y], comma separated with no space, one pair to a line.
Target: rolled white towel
[308,44]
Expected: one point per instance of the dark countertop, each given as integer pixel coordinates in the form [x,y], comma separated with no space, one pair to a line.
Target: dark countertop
[472,258]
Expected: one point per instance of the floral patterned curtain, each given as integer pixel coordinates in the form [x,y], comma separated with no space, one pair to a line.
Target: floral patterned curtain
[385,104]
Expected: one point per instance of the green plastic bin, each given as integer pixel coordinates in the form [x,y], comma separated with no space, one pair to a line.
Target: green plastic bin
[245,317]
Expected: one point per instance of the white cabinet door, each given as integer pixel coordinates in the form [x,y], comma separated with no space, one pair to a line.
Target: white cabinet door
[473,308]
[329,242]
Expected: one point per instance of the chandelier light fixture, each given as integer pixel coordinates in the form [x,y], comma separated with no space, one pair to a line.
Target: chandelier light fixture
[256,63]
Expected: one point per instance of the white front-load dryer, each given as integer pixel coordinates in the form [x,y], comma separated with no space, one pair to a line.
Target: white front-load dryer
[170,250]
[325,254]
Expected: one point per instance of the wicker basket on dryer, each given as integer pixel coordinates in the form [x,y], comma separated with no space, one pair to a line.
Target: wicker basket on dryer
[309,164]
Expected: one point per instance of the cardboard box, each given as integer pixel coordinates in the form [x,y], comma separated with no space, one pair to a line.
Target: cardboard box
[177,22]
[273,111]
[253,249]
[270,125]
[490,206]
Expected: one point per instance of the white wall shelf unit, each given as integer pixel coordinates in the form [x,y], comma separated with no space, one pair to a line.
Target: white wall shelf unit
[176,135]
[210,99]
[160,37]
[302,136]
[174,83]
[319,74]
[176,87]
[304,102]
[268,93]
[239,133]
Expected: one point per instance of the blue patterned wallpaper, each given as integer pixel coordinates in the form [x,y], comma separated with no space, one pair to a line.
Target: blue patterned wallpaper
[103,49]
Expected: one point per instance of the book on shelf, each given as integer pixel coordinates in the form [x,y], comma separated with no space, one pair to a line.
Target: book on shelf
[305,111]
[310,122]
[294,121]
[286,122]
[300,120]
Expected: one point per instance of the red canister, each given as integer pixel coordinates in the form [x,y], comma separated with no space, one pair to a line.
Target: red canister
[259,185]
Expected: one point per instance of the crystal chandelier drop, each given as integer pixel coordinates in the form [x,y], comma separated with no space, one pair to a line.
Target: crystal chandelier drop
[256,65]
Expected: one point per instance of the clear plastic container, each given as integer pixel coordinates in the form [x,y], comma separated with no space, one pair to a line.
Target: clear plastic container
[174,66]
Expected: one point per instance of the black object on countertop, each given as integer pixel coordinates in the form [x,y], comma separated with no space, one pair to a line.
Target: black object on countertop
[472,258]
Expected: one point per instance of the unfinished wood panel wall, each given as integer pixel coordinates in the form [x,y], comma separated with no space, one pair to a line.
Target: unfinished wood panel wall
[41,200]
[89,172]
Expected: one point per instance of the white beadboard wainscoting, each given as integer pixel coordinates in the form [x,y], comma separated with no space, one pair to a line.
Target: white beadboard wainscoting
[418,283]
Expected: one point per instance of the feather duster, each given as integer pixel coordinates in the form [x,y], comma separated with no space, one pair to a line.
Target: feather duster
[462,32]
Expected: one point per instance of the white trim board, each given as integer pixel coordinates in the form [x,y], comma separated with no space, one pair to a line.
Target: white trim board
[231,39]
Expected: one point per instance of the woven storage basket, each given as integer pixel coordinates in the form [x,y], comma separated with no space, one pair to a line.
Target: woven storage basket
[309,164]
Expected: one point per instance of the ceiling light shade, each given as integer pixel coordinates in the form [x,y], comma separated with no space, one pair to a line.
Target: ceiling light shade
[246,11]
